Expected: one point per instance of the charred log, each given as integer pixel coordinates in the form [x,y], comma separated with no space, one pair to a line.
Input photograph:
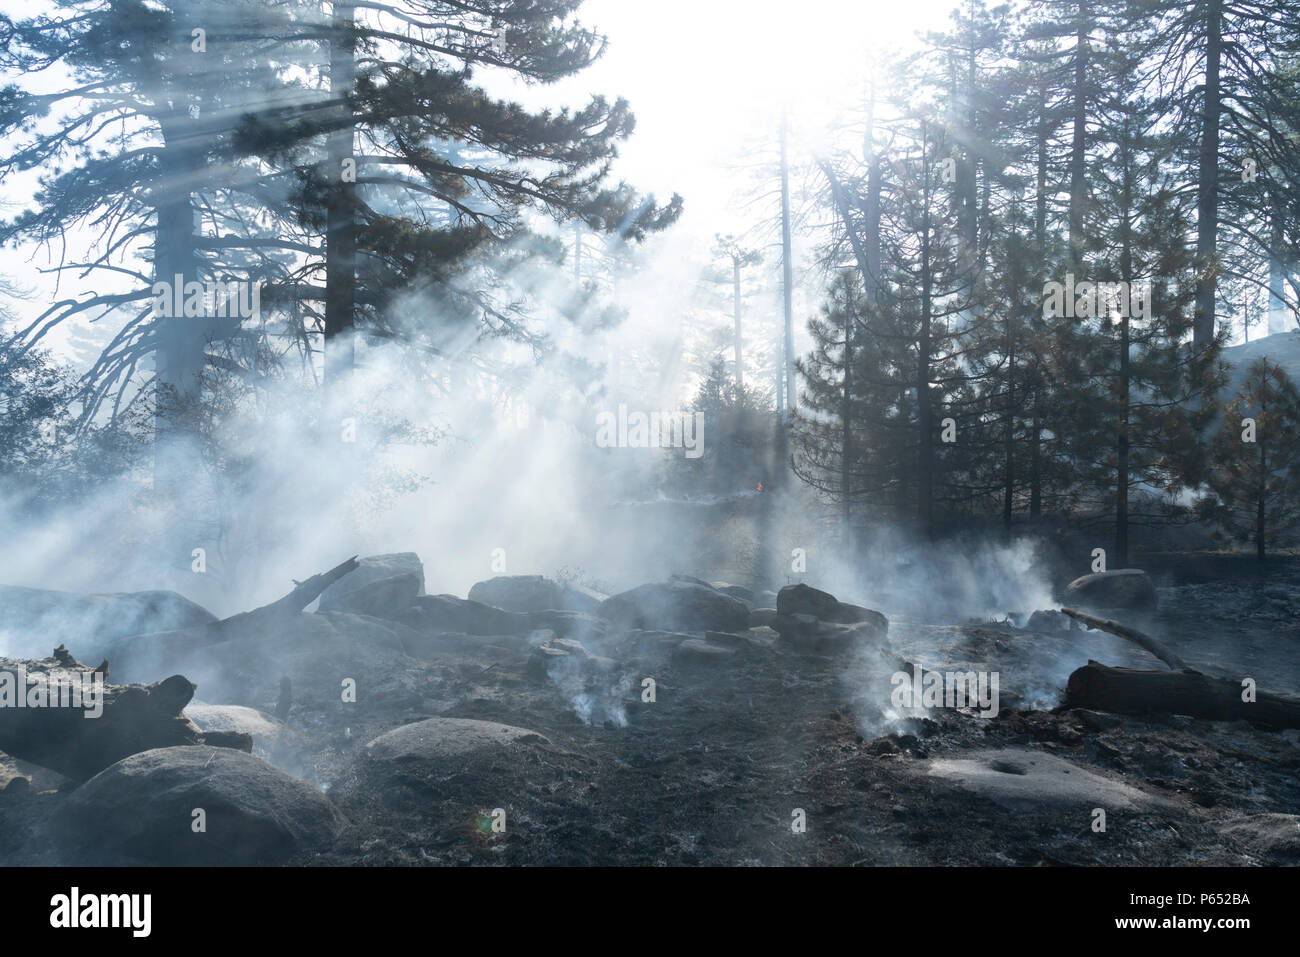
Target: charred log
[65,716]
[1098,687]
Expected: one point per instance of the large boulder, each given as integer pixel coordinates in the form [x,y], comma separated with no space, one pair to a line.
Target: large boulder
[554,651]
[805,600]
[449,613]
[1022,779]
[580,598]
[676,605]
[382,598]
[141,810]
[372,569]
[518,593]
[807,633]
[34,619]
[435,760]
[1124,588]
[265,730]
[736,591]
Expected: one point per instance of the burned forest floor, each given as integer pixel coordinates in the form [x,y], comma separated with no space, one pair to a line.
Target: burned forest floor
[682,723]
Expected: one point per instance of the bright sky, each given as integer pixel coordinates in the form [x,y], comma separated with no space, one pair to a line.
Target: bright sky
[706,77]
[707,80]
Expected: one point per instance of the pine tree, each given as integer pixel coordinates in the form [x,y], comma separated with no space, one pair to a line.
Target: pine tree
[1255,471]
[1142,396]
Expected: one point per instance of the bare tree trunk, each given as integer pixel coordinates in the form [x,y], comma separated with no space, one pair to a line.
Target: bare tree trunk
[1126,272]
[925,412]
[1262,493]
[846,418]
[341,220]
[1277,268]
[1078,144]
[1207,189]
[180,354]
[787,276]
[577,254]
[1009,463]
[735,292]
[1040,260]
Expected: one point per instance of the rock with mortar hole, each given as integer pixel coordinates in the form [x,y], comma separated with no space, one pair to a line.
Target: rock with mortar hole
[1128,589]
[141,810]
[676,606]
[1023,779]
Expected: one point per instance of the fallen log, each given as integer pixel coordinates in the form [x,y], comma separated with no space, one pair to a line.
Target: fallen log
[1098,687]
[65,716]
[1139,638]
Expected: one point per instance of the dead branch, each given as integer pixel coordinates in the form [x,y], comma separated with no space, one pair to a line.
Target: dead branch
[1139,638]
[303,594]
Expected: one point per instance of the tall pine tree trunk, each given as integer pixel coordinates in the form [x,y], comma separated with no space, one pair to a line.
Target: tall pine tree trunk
[1263,481]
[787,276]
[1277,267]
[577,254]
[1122,439]
[925,412]
[735,293]
[1079,138]
[1040,261]
[846,418]
[179,355]
[1207,189]
[1009,463]
[341,220]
